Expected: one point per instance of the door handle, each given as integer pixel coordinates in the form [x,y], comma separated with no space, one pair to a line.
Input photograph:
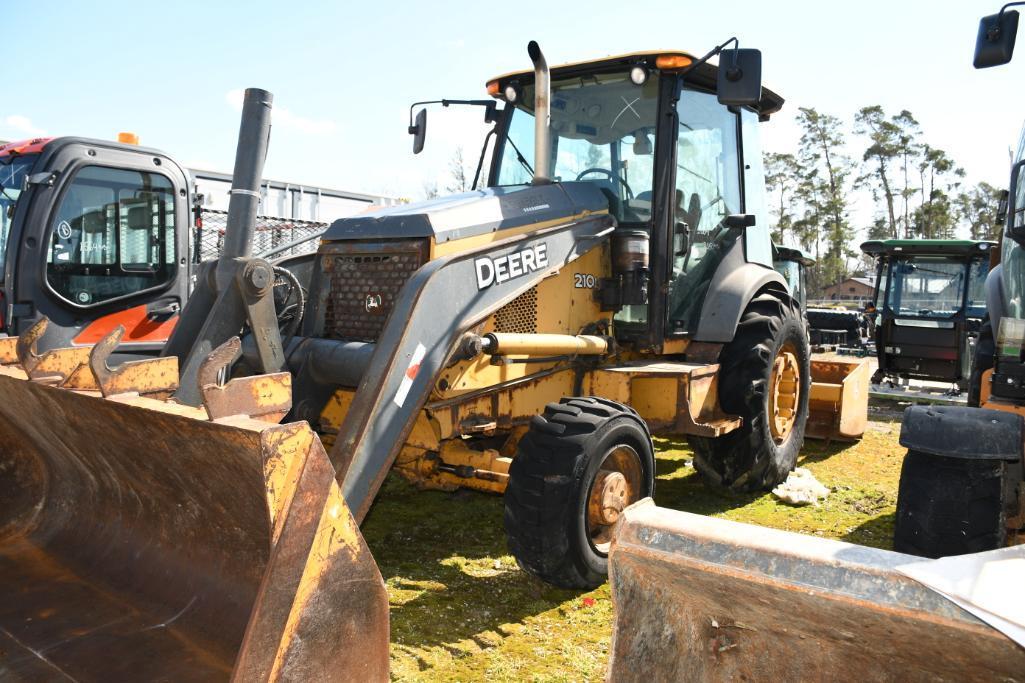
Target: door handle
[166,310]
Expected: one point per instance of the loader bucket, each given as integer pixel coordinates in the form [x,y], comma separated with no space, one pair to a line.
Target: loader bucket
[704,599]
[142,540]
[838,402]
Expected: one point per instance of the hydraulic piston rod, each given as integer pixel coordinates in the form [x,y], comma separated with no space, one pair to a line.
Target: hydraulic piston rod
[509,344]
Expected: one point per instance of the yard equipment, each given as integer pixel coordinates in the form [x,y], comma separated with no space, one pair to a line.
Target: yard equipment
[962,486]
[144,539]
[838,398]
[700,598]
[524,338]
[527,338]
[929,302]
[96,234]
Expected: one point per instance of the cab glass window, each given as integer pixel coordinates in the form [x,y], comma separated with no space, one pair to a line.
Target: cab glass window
[602,131]
[112,236]
[926,286]
[13,172]
[707,190]
[976,307]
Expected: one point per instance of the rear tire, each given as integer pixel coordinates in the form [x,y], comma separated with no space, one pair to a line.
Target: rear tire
[758,455]
[567,451]
[949,506]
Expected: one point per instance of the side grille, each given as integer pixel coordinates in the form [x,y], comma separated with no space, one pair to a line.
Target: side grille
[519,315]
[363,282]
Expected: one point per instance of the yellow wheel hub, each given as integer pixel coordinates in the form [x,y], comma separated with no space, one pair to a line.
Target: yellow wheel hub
[784,393]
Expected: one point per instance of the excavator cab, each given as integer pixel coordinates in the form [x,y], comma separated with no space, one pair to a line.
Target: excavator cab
[95,234]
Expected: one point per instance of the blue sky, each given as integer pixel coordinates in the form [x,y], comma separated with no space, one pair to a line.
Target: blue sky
[343,74]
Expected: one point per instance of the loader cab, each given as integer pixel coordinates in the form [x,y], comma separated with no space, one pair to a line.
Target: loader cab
[930,300]
[681,173]
[93,235]
[791,263]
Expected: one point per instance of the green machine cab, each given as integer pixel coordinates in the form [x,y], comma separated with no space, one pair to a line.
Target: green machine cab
[790,262]
[928,307]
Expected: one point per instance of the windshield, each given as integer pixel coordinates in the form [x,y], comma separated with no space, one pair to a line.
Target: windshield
[603,132]
[934,286]
[13,171]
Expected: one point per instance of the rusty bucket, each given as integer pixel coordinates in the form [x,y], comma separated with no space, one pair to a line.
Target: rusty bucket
[143,540]
[705,599]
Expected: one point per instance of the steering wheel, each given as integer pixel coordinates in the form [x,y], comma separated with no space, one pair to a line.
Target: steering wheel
[611,176]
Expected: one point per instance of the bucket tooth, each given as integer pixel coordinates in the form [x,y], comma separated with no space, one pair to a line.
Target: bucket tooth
[151,376]
[261,397]
[53,366]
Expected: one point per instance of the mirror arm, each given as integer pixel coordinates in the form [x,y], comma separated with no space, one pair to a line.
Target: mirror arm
[490,105]
[1004,8]
[480,161]
[712,53]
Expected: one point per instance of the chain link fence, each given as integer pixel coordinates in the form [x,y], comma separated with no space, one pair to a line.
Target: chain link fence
[208,235]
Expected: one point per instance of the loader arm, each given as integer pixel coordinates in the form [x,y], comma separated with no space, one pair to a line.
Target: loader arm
[435,307]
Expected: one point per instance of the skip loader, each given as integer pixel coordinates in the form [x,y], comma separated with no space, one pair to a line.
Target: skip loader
[614,279]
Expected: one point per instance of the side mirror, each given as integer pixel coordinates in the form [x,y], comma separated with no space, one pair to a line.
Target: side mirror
[995,42]
[419,131]
[1002,206]
[739,220]
[740,77]
[1015,228]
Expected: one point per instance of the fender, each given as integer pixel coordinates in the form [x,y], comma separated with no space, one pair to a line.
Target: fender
[959,432]
[733,286]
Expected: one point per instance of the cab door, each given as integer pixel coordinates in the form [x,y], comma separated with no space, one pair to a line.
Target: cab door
[104,243]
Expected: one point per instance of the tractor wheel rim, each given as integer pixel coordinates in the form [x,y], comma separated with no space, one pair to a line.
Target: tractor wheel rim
[784,393]
[616,485]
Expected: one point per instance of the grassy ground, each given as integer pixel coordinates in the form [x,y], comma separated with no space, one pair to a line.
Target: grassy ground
[461,610]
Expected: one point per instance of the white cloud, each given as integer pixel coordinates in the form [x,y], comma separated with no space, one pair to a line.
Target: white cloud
[280,116]
[23,124]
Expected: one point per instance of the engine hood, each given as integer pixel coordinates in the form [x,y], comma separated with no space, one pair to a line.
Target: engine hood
[473,213]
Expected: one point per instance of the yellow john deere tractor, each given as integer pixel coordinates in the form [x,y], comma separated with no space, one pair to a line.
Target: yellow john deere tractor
[612,280]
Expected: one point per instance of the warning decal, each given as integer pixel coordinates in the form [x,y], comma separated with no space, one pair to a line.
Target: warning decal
[411,372]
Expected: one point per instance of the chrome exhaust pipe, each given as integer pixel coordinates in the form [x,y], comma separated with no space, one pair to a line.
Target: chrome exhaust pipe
[542,116]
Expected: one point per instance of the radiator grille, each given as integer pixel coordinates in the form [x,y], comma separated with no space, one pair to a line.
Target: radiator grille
[363,288]
[519,315]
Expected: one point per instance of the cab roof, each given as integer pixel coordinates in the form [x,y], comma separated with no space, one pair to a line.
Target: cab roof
[927,247]
[20,147]
[704,75]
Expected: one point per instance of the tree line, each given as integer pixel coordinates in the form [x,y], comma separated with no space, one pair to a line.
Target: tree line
[918,191]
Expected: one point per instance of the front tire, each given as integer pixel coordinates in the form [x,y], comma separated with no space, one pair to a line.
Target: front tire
[765,378]
[576,468]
